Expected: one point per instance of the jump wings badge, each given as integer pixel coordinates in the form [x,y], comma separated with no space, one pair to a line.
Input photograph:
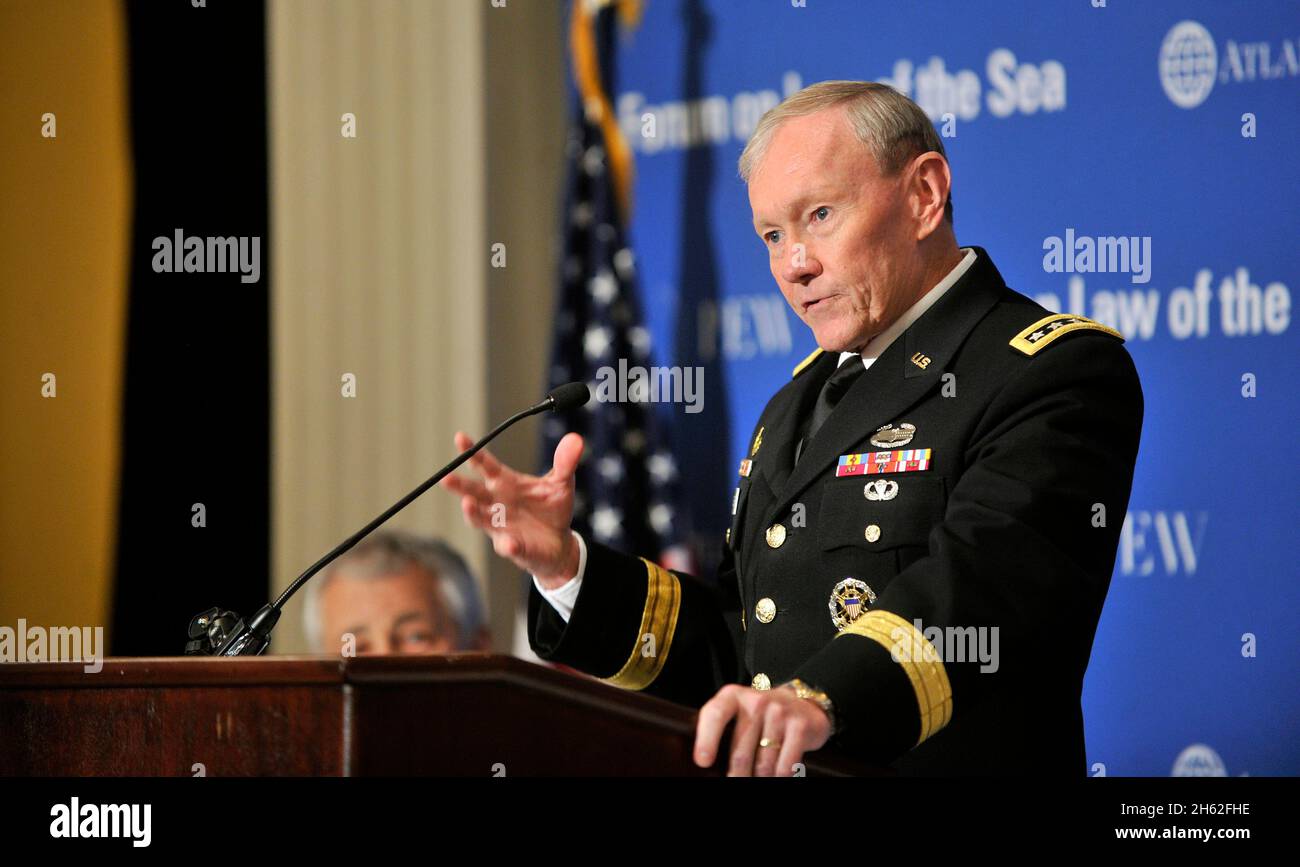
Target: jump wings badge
[848,600]
[881,489]
[888,436]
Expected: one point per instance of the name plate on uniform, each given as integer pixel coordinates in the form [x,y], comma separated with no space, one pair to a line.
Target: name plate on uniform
[895,461]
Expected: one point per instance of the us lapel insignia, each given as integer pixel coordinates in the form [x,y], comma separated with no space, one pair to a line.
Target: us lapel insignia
[890,437]
[758,441]
[921,361]
[848,601]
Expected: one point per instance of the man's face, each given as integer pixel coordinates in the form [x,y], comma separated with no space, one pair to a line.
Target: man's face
[841,238]
[397,613]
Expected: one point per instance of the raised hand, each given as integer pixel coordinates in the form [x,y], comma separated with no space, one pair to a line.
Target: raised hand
[527,517]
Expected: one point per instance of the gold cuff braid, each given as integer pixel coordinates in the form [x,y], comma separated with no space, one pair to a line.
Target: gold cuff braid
[920,661]
[663,602]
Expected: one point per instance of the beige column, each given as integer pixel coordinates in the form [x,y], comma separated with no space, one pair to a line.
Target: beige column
[379,259]
[526,118]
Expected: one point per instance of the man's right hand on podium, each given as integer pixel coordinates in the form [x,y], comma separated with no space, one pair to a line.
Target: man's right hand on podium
[527,517]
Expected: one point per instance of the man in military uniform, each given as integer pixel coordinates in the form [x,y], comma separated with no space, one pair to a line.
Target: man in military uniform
[925,525]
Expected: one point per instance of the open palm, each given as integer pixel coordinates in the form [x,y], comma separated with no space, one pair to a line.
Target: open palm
[527,517]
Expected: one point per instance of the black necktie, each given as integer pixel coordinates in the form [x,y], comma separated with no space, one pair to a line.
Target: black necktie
[832,391]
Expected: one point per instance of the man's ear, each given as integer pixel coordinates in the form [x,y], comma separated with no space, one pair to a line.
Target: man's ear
[929,183]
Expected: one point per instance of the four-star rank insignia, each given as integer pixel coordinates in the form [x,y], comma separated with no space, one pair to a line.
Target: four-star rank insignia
[849,600]
[1051,328]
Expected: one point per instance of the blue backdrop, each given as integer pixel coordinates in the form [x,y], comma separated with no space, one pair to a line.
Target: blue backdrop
[1169,121]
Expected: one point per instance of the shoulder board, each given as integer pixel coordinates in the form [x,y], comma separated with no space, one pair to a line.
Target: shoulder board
[1037,336]
[803,365]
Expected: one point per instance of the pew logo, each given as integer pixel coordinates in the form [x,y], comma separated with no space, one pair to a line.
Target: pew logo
[1159,540]
[75,819]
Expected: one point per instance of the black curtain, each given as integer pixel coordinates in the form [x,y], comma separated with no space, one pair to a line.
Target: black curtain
[196,417]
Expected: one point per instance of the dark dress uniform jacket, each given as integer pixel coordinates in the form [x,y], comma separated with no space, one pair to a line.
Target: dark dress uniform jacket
[1032,421]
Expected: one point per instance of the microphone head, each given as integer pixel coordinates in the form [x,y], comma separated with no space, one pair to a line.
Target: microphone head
[569,396]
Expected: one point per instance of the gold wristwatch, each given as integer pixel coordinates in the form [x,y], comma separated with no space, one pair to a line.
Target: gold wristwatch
[817,697]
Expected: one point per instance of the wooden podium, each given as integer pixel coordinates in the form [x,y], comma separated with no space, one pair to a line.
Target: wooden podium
[462,715]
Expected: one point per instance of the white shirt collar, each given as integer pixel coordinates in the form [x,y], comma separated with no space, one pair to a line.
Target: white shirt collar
[878,344]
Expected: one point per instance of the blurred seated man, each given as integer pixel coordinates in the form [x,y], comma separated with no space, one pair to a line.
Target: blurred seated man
[396,592]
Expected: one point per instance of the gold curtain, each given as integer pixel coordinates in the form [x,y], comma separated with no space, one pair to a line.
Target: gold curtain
[64,267]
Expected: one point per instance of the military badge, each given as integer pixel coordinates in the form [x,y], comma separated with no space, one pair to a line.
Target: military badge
[888,436]
[849,599]
[1048,329]
[758,441]
[745,466]
[881,489]
[892,461]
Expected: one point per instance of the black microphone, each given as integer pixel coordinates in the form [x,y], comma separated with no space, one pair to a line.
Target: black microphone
[224,633]
[569,396]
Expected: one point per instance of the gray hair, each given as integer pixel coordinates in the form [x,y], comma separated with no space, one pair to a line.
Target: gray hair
[892,127]
[389,551]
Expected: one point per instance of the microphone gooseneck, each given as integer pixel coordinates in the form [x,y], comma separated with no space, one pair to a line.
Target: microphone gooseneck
[251,637]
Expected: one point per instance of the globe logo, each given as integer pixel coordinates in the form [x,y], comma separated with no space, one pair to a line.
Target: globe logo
[1188,62]
[1199,760]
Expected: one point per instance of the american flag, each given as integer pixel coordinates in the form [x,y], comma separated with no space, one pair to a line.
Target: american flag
[627,482]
